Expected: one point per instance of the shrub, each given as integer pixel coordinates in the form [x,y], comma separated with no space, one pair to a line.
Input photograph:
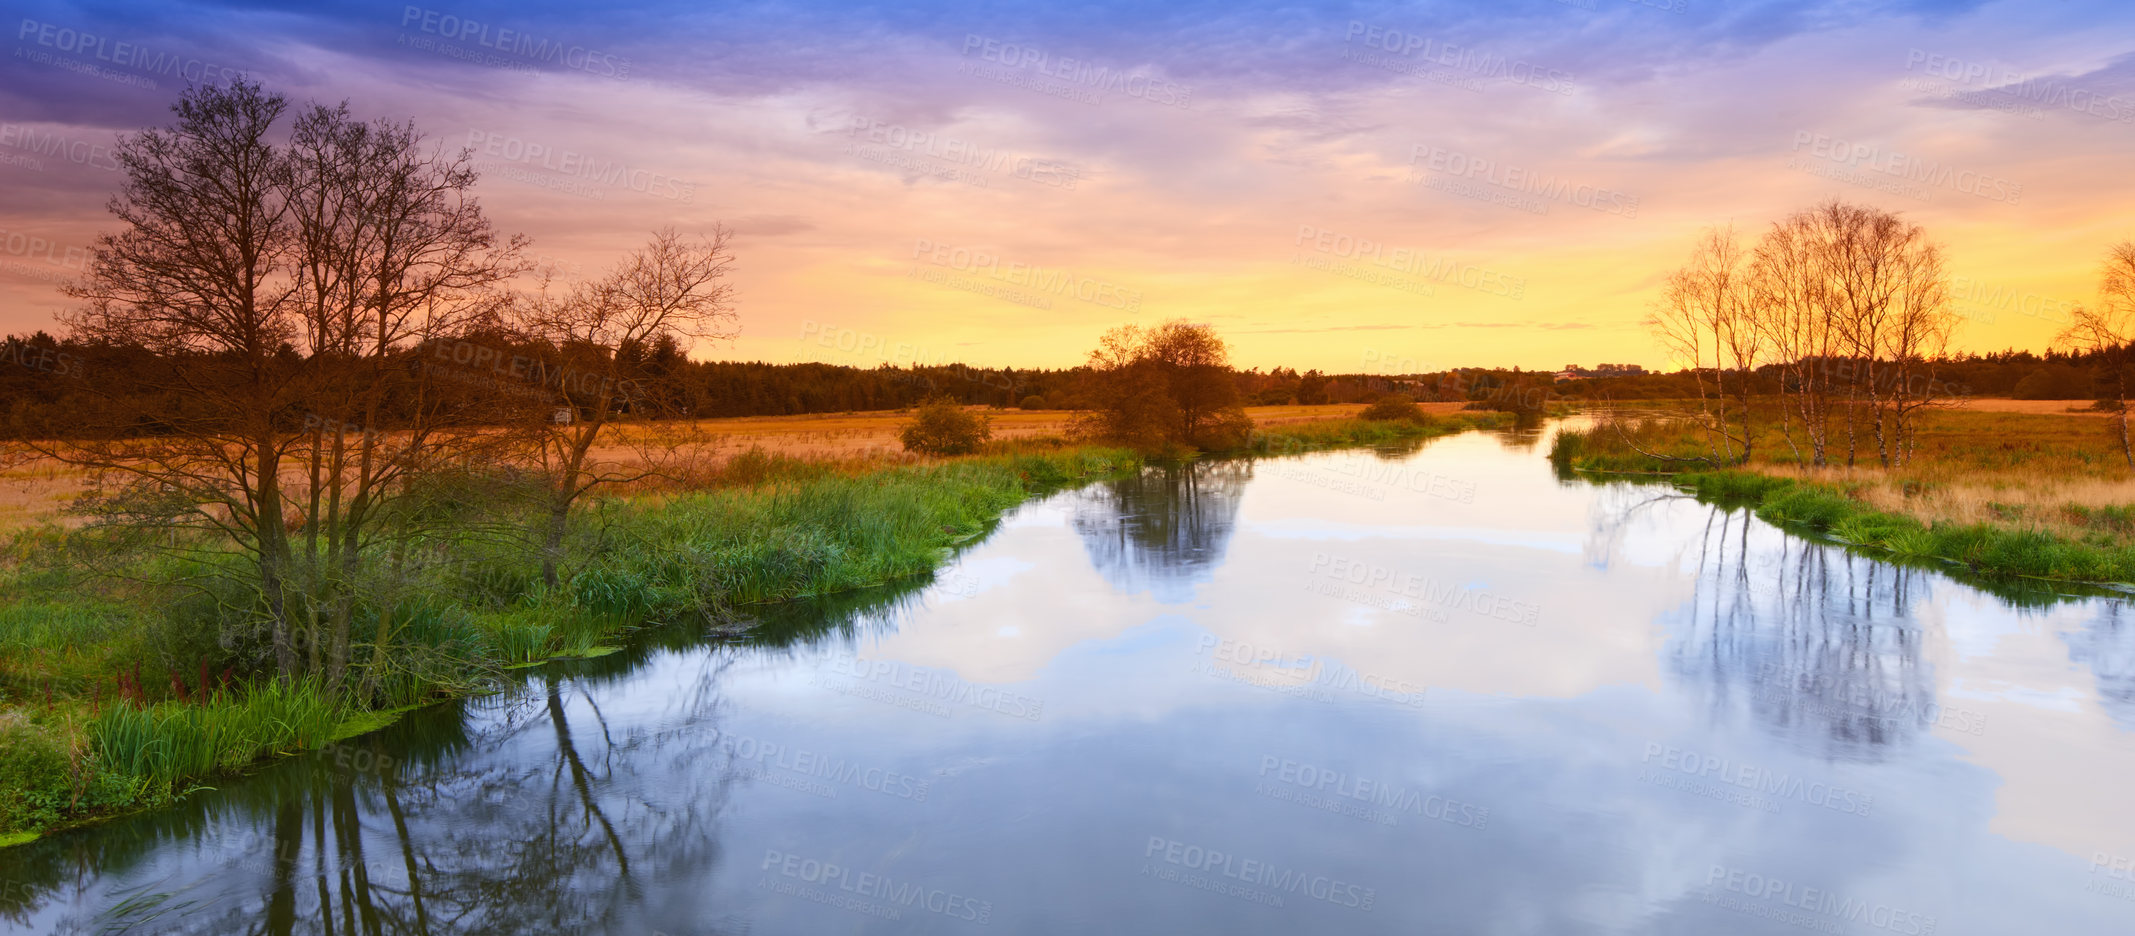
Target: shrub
[1395,406]
[1033,402]
[35,782]
[940,427]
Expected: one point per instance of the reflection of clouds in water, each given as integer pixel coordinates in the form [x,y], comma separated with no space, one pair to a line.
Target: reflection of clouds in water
[1163,529]
[1818,645]
[2107,646]
[1665,625]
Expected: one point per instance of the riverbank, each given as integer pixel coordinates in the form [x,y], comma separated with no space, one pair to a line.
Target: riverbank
[103,712]
[102,717]
[2002,493]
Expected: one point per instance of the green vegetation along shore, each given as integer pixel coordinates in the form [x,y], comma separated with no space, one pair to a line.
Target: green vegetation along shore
[103,715]
[99,720]
[1950,505]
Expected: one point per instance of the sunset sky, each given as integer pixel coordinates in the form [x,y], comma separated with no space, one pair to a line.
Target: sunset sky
[1352,187]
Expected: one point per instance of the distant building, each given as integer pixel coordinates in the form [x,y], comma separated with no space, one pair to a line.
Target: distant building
[1576,372]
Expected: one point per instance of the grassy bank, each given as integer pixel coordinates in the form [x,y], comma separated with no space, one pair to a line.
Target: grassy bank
[102,709]
[2002,494]
[117,693]
[1352,433]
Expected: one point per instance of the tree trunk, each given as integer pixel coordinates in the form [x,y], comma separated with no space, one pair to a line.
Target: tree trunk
[552,544]
[274,556]
[2120,384]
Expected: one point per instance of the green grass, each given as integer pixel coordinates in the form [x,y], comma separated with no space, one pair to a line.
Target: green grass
[1831,509]
[1982,548]
[713,550]
[1349,433]
[168,744]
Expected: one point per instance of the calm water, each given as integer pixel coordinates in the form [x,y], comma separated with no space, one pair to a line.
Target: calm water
[1427,692]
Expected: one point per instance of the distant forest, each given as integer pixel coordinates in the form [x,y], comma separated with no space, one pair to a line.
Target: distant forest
[43,379]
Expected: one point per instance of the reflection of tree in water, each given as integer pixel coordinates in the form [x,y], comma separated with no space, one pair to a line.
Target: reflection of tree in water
[2107,646]
[545,821]
[789,628]
[1163,528]
[1523,434]
[1818,644]
[523,812]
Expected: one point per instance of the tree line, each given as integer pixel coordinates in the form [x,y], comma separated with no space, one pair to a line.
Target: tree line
[1842,311]
[1852,305]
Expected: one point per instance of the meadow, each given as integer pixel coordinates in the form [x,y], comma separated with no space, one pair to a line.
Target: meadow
[2023,488]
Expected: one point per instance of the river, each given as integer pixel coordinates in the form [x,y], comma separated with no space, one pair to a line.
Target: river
[1432,691]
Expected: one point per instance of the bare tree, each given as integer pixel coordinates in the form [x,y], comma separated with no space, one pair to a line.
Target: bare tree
[202,274]
[279,292]
[1705,320]
[1853,296]
[672,291]
[393,250]
[1889,298]
[1920,326]
[2107,332]
[1788,298]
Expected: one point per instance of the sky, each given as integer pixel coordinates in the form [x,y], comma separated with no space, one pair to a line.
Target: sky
[1354,187]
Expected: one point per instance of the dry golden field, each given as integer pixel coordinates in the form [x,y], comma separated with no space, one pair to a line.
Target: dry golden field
[2035,407]
[34,491]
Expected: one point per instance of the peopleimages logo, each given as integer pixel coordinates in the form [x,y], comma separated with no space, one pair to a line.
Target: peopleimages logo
[579,165]
[837,770]
[940,685]
[1460,58]
[1053,282]
[78,152]
[43,358]
[1760,779]
[1078,72]
[1260,873]
[2020,87]
[1819,907]
[962,153]
[131,55]
[516,42]
[1427,590]
[1872,157]
[877,887]
[1456,164]
[1393,798]
[1410,262]
[1280,670]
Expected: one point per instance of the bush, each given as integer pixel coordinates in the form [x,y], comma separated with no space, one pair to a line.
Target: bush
[1395,406]
[35,780]
[940,427]
[1033,402]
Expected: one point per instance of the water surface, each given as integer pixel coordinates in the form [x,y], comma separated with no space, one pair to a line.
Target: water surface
[1431,691]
